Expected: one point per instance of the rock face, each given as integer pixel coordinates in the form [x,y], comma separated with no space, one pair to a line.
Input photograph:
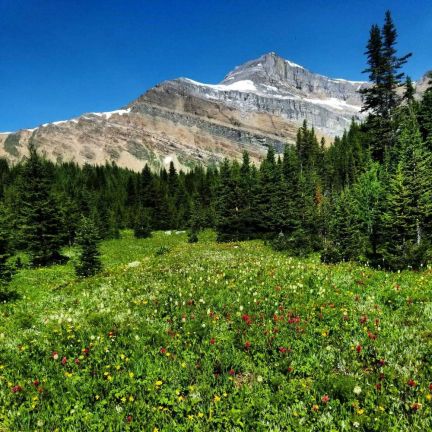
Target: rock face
[259,104]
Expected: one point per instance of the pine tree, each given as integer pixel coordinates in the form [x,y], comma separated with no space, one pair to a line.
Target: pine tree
[6,269]
[408,210]
[87,239]
[409,90]
[381,99]
[142,225]
[40,218]
[425,115]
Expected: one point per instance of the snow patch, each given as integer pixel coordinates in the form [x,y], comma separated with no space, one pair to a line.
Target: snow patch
[334,103]
[292,64]
[168,160]
[240,86]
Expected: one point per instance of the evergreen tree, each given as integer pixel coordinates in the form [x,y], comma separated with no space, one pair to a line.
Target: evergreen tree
[425,115]
[40,218]
[381,99]
[142,225]
[6,269]
[87,239]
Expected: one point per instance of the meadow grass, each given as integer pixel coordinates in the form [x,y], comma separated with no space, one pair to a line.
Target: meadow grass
[176,336]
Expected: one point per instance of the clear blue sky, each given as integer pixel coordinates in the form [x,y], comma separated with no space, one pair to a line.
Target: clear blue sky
[62,58]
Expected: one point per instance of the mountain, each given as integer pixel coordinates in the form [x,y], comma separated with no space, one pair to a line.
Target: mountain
[258,104]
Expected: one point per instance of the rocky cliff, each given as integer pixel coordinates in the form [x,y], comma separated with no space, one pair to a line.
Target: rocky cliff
[258,104]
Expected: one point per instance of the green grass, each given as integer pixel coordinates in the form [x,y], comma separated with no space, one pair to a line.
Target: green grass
[214,336]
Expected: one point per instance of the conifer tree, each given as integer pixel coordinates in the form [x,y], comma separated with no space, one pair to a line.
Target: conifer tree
[87,239]
[142,225]
[40,218]
[6,269]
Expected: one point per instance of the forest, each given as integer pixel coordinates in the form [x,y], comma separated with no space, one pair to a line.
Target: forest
[365,197]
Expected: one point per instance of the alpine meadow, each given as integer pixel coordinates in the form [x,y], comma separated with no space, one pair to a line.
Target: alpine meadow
[254,255]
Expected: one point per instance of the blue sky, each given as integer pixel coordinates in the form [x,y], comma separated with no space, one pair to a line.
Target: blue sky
[61,58]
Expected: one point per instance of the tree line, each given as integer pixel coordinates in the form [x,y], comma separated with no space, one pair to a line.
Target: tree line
[366,197]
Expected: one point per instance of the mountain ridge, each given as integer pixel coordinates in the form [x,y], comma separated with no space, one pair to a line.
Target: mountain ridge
[259,103]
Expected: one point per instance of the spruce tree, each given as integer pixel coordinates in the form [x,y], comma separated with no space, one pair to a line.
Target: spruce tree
[40,218]
[6,269]
[142,225]
[87,240]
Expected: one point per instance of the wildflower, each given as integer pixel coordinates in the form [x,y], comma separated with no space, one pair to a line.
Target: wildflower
[16,389]
[430,387]
[416,406]
[247,319]
[129,418]
[315,408]
[259,378]
[378,386]
[363,319]
[158,383]
[360,411]
[358,348]
[55,355]
[411,383]
[216,399]
[36,382]
[282,350]
[356,424]
[64,361]
[325,399]
[163,350]
[76,361]
[212,341]
[232,372]
[247,344]
[290,369]
[357,390]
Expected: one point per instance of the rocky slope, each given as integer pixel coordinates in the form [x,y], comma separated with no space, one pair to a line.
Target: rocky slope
[258,104]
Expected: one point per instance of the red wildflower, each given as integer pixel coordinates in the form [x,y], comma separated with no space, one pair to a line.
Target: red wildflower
[212,341]
[247,319]
[129,418]
[163,350]
[232,372]
[372,336]
[111,334]
[16,389]
[363,319]
[416,406]
[86,351]
[247,344]
[430,386]
[55,355]
[290,369]
[412,383]
[381,362]
[64,361]
[36,382]
[325,399]
[378,386]
[283,350]
[77,362]
[358,348]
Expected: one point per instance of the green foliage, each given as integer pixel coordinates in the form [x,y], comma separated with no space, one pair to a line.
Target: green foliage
[142,226]
[40,219]
[215,336]
[87,240]
[162,250]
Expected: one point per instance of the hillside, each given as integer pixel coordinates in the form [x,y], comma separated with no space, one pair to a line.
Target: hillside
[215,336]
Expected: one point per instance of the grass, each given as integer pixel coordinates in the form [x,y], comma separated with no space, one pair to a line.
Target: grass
[214,336]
